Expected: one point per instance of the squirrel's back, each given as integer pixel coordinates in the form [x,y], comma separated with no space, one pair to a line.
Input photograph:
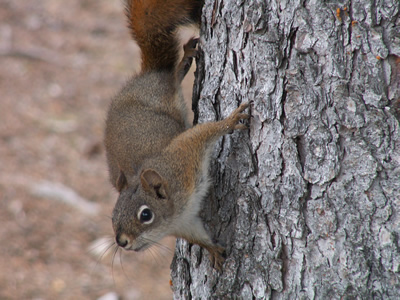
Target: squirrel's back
[150,110]
[135,128]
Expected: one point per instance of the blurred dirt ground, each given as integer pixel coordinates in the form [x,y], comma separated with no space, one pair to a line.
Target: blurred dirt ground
[61,62]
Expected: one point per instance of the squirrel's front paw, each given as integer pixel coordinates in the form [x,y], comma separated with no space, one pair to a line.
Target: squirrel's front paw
[217,256]
[236,116]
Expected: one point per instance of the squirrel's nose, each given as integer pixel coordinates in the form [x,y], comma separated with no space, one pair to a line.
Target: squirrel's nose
[122,240]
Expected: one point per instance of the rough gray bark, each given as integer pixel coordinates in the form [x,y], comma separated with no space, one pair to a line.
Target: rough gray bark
[308,201]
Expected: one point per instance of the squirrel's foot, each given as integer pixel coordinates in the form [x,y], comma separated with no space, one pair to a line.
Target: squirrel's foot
[236,116]
[217,256]
[190,48]
[216,251]
[190,51]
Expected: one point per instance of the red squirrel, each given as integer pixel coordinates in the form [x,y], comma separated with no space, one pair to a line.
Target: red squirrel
[157,161]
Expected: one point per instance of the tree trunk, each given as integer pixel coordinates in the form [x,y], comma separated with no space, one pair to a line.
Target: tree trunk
[307,201]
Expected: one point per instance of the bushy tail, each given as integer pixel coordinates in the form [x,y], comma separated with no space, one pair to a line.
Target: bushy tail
[153,25]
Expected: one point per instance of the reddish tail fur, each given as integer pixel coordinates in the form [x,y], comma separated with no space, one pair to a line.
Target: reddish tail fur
[153,25]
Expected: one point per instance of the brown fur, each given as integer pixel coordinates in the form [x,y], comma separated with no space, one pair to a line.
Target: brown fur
[156,161]
[153,24]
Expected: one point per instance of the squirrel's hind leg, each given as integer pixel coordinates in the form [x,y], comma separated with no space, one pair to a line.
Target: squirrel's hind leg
[190,51]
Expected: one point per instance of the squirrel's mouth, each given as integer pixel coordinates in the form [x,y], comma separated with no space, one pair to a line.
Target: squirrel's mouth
[141,248]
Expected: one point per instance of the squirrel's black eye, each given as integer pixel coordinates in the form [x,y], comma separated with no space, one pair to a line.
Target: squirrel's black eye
[145,215]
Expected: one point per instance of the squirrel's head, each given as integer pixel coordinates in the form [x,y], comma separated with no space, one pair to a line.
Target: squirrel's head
[142,212]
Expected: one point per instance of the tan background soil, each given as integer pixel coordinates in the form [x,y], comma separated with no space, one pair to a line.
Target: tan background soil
[61,62]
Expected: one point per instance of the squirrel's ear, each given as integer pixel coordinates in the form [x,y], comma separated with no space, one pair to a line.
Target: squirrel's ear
[121,181]
[153,183]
